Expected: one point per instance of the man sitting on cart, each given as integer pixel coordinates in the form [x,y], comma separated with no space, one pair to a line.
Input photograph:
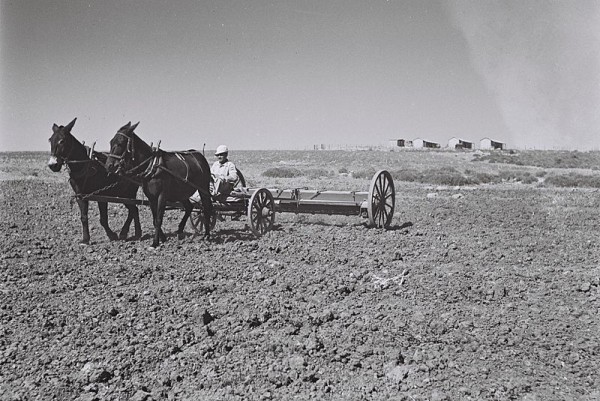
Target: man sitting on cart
[224,174]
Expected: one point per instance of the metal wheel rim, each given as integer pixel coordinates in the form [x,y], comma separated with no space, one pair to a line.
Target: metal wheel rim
[261,212]
[381,200]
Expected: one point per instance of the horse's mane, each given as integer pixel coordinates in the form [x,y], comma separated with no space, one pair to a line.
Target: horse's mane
[81,147]
[145,147]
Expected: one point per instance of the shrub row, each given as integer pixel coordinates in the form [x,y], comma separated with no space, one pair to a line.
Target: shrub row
[544,159]
[447,176]
[574,180]
[292,172]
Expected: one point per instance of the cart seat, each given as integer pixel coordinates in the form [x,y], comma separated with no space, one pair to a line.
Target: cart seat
[235,196]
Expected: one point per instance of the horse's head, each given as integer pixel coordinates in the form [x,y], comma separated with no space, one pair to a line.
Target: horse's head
[61,145]
[122,149]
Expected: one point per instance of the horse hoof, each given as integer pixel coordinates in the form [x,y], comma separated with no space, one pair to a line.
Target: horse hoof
[123,236]
[180,236]
[153,247]
[84,242]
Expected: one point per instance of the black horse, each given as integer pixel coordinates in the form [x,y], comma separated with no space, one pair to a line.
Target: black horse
[88,175]
[166,177]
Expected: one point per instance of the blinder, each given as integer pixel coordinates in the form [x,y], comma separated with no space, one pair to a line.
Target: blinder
[128,154]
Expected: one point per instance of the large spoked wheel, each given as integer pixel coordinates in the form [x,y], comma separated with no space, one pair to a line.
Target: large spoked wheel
[197,220]
[381,200]
[261,212]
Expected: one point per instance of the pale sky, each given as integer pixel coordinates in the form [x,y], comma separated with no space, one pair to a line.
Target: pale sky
[291,74]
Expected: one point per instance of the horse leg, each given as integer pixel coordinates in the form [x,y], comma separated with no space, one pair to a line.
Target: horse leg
[125,229]
[132,214]
[83,215]
[103,207]
[187,207]
[158,212]
[153,210]
[207,208]
[136,222]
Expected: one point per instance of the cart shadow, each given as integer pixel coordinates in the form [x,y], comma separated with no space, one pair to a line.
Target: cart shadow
[236,234]
[401,226]
[230,235]
[362,224]
[150,236]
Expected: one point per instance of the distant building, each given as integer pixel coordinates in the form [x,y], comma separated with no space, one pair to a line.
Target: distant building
[487,143]
[422,143]
[400,143]
[455,143]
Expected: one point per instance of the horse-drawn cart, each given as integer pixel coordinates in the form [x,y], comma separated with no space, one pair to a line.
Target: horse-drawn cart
[168,180]
[261,204]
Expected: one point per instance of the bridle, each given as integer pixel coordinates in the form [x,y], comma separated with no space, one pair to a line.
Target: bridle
[65,159]
[128,154]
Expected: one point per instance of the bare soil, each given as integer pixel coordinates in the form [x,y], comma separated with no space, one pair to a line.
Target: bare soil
[476,293]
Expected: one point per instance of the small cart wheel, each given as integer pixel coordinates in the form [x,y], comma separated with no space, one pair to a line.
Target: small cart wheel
[261,212]
[197,221]
[381,200]
[241,181]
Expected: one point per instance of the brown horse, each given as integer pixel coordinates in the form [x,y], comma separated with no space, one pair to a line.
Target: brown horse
[166,177]
[88,175]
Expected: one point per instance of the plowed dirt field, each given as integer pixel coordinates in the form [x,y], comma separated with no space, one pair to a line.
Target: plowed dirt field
[487,292]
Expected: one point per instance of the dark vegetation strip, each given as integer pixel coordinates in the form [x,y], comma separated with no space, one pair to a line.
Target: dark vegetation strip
[438,176]
[544,159]
[448,176]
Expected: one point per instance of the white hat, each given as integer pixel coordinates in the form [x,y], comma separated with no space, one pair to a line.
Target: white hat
[221,149]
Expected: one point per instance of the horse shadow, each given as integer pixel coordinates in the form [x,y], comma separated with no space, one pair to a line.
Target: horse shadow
[149,236]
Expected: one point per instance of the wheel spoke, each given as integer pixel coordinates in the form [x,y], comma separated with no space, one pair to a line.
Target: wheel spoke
[379,186]
[387,187]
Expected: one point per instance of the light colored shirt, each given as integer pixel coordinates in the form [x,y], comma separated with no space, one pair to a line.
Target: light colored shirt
[226,171]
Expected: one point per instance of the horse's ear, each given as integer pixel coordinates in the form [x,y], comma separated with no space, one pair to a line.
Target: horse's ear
[55,128]
[70,125]
[125,127]
[133,127]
